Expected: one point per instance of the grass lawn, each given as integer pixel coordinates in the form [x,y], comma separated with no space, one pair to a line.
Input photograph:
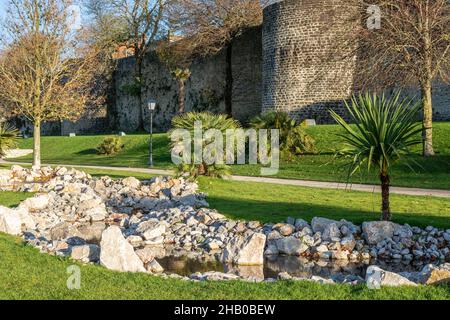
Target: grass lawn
[432,173]
[21,267]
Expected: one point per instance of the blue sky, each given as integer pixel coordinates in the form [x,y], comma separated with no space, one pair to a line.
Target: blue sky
[4,5]
[2,8]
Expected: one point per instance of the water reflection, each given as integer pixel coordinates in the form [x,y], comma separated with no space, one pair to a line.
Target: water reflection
[273,265]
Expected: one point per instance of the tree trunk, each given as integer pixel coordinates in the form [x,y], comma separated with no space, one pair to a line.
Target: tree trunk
[37,145]
[427,122]
[425,84]
[385,208]
[181,95]
[229,81]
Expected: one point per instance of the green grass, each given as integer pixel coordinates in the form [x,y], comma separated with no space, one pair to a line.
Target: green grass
[274,203]
[27,274]
[429,173]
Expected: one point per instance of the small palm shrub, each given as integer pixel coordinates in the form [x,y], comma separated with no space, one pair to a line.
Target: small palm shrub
[8,138]
[208,121]
[293,139]
[384,130]
[110,146]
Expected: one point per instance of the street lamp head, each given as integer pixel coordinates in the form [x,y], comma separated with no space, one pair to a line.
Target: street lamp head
[151,105]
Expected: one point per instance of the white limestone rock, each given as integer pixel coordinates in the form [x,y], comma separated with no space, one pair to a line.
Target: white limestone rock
[245,250]
[117,254]
[377,277]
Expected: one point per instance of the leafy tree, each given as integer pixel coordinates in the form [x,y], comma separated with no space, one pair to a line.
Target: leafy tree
[293,139]
[208,121]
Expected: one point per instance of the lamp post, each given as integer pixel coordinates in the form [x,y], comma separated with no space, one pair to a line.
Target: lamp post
[151,107]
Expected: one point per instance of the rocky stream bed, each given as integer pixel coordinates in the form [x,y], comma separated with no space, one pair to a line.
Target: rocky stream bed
[164,226]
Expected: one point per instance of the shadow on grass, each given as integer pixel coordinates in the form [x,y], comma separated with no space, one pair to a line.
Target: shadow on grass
[269,211]
[87,152]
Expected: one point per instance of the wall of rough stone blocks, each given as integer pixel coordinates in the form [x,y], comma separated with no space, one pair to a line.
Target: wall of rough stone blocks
[300,74]
[204,89]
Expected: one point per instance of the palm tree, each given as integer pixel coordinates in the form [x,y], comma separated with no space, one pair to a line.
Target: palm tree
[384,129]
[207,120]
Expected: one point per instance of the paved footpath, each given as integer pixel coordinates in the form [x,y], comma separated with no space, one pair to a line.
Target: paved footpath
[288,182]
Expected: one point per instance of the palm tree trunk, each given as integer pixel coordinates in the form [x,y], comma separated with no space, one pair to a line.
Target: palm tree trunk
[385,208]
[37,145]
[181,95]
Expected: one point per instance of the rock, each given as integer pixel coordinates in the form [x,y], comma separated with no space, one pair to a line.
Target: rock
[322,280]
[340,254]
[308,240]
[213,245]
[89,204]
[331,231]
[193,200]
[253,224]
[117,254]
[13,221]
[86,253]
[284,276]
[432,274]
[446,236]
[271,250]
[348,243]
[321,248]
[300,224]
[135,240]
[96,214]
[155,231]
[284,229]
[319,224]
[376,231]
[214,276]
[147,203]
[146,254]
[154,241]
[245,250]
[377,277]
[91,232]
[154,267]
[10,221]
[291,246]
[131,182]
[36,203]
[63,230]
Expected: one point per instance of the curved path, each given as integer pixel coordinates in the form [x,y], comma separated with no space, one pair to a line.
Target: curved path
[291,182]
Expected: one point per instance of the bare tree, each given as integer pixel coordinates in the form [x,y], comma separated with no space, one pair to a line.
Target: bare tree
[212,25]
[408,45]
[106,32]
[145,22]
[47,69]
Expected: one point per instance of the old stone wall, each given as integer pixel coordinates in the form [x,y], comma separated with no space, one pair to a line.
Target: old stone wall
[204,89]
[300,74]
